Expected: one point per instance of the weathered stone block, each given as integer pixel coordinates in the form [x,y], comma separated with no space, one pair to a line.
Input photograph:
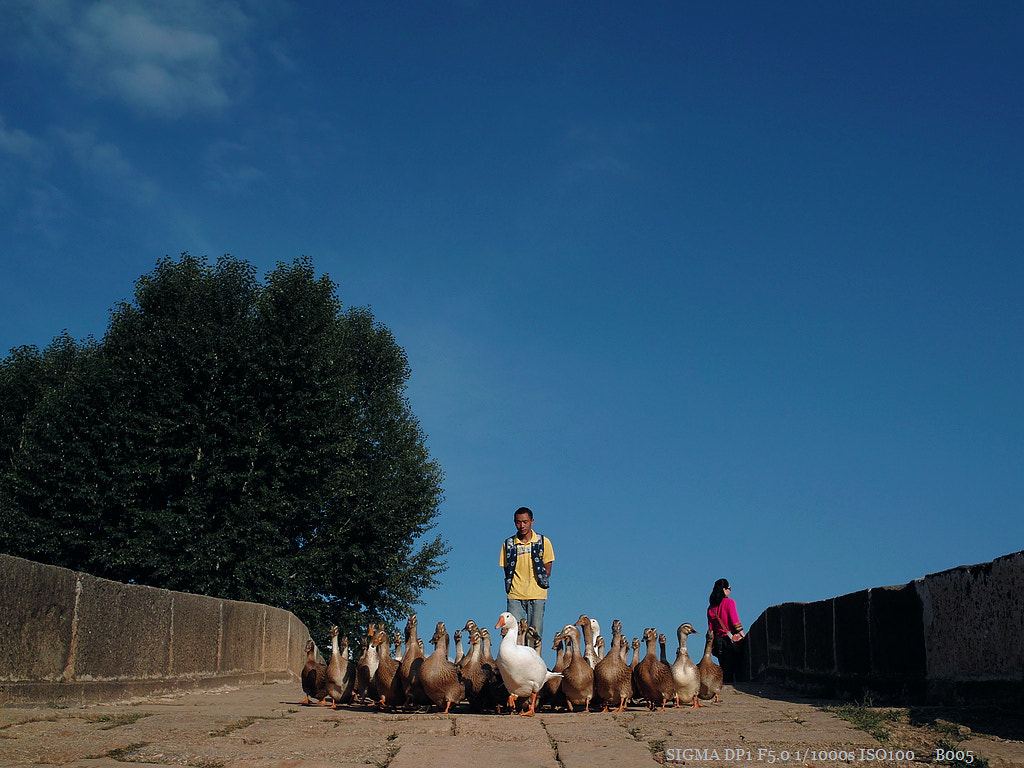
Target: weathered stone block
[972,615]
[852,634]
[276,651]
[757,648]
[195,636]
[37,605]
[123,631]
[819,626]
[298,634]
[793,641]
[897,633]
[242,637]
[774,627]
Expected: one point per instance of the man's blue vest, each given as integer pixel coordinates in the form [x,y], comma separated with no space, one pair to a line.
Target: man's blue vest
[536,554]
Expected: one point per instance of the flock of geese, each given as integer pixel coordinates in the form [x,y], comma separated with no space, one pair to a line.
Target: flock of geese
[584,676]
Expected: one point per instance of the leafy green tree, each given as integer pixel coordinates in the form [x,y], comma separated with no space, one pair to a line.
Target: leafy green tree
[244,440]
[50,422]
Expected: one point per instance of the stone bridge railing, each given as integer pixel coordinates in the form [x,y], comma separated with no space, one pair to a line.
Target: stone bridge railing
[67,637]
[949,637]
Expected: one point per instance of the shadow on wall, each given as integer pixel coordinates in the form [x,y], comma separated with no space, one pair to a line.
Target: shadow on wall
[947,638]
[67,637]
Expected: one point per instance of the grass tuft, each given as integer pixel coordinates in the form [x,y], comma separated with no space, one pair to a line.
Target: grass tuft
[864,717]
[245,722]
[388,757]
[116,721]
[120,753]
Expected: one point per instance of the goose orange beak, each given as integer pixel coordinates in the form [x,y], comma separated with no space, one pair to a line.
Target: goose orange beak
[501,622]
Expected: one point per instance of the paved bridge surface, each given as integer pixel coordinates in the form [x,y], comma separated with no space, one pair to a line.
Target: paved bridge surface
[266,727]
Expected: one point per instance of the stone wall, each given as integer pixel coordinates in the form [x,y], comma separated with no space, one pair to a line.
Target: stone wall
[949,637]
[67,637]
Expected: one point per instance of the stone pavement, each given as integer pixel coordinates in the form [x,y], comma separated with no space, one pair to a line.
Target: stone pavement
[265,727]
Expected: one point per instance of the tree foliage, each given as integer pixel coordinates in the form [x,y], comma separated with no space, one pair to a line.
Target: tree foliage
[228,437]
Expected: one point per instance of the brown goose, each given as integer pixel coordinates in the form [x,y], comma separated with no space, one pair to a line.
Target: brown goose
[616,633]
[409,669]
[397,643]
[485,642]
[459,653]
[578,675]
[477,676]
[684,671]
[528,635]
[710,673]
[386,680]
[661,644]
[341,671]
[498,692]
[633,665]
[439,676]
[314,675]
[552,691]
[521,636]
[652,676]
[366,666]
[613,679]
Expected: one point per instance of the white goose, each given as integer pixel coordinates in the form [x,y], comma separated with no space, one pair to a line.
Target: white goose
[595,631]
[522,669]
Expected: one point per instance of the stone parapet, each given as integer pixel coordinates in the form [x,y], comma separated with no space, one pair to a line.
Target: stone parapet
[68,637]
[949,637]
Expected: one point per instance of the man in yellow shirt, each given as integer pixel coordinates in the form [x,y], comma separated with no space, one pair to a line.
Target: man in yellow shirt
[526,559]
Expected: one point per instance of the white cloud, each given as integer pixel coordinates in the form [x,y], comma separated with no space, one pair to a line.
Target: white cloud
[162,59]
[108,169]
[227,171]
[22,146]
[28,163]
[157,65]
[33,202]
[132,35]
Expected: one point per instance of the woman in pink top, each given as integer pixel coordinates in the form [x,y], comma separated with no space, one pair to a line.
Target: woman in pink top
[724,624]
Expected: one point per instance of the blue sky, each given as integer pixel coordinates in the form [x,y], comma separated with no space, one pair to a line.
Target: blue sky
[717,289]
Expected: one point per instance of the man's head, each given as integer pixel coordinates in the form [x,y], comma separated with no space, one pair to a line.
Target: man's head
[524,523]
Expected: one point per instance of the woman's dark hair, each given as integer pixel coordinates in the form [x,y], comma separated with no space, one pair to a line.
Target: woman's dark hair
[718,593]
